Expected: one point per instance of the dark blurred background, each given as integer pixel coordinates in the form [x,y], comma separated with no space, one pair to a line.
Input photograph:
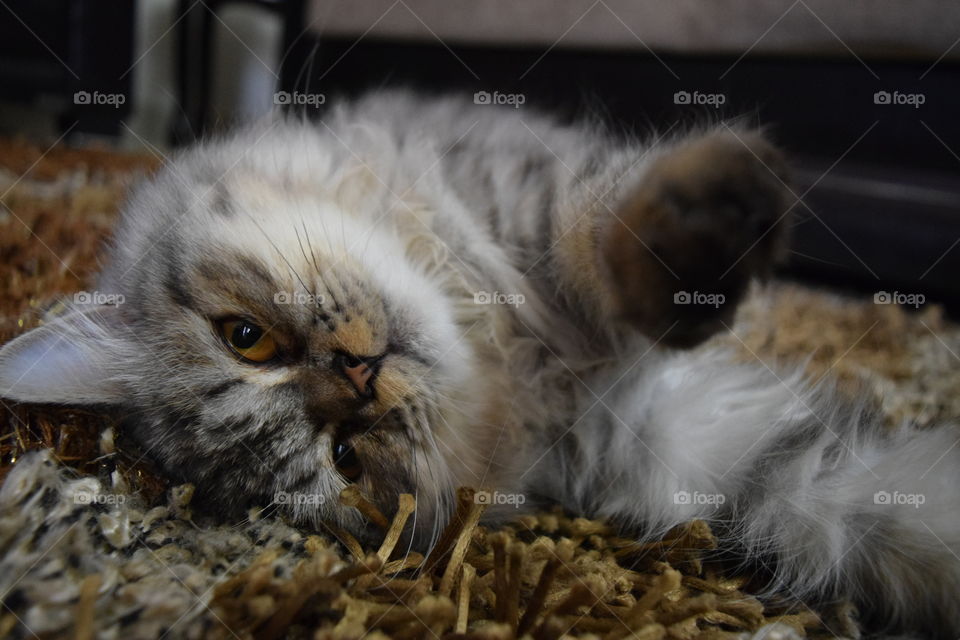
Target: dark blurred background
[862,94]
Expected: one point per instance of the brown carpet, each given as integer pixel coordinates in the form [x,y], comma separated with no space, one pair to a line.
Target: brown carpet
[93,541]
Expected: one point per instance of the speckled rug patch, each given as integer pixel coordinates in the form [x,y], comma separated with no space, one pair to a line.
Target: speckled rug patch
[93,543]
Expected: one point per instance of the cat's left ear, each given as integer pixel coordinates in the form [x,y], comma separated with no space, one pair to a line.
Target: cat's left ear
[73,359]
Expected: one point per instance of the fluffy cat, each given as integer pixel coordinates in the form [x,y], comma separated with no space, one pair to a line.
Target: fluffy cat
[418,294]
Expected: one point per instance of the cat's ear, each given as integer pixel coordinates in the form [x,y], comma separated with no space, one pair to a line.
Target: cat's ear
[73,359]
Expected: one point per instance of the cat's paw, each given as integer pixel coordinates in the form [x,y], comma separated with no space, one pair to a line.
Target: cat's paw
[703,220]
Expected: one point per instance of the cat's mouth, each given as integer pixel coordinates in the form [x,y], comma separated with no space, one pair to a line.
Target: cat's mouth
[361,444]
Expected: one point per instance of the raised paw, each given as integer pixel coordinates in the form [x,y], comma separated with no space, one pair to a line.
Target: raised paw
[704,218]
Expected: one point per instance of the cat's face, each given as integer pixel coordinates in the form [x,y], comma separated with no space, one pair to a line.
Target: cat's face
[272,347]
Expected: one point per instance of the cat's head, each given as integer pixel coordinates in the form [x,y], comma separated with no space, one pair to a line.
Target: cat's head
[272,339]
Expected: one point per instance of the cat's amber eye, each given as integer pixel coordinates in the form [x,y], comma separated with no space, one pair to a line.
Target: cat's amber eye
[248,340]
[346,461]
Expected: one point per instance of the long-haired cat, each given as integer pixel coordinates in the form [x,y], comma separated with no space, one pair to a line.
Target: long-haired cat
[413,295]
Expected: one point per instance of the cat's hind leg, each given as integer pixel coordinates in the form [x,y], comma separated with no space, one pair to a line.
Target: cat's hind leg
[685,238]
[794,478]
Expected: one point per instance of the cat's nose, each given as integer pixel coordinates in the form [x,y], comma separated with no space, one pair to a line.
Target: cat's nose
[360,371]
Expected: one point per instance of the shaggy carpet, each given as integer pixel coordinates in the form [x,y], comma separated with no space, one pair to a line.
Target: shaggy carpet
[94,543]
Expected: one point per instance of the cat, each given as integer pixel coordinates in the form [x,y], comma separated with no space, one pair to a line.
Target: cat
[415,294]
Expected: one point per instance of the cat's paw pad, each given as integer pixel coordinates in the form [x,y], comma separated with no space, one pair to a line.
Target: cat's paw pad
[705,218]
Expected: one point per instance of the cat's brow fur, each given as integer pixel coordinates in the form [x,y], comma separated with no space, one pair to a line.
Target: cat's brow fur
[390,221]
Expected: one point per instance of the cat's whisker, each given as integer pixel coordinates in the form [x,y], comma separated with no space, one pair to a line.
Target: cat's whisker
[313,254]
[305,257]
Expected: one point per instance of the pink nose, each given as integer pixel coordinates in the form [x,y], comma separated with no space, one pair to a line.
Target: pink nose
[359,375]
[360,371]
